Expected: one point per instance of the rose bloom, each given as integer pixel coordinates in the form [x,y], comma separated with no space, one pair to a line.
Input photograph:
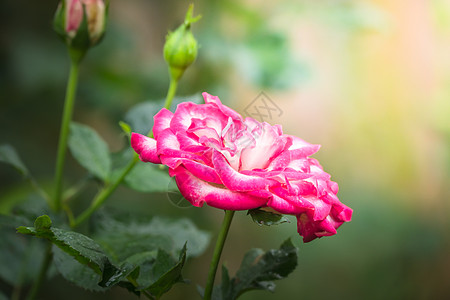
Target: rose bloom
[231,163]
[95,12]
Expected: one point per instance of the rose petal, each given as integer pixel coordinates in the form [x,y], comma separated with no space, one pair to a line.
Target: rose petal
[291,206]
[169,146]
[311,230]
[268,145]
[145,147]
[197,192]
[161,121]
[201,171]
[234,180]
[209,99]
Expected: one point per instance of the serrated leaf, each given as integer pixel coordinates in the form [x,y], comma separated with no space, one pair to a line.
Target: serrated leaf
[147,249]
[80,247]
[9,155]
[170,277]
[12,221]
[155,275]
[258,271]
[155,271]
[75,272]
[264,217]
[140,116]
[180,231]
[127,238]
[89,149]
[148,178]
[20,258]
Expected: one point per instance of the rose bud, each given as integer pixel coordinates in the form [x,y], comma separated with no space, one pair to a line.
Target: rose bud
[80,23]
[180,49]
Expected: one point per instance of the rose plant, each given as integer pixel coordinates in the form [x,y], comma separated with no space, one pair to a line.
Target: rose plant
[216,156]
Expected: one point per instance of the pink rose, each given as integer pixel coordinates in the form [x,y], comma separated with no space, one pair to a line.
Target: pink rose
[231,163]
[95,12]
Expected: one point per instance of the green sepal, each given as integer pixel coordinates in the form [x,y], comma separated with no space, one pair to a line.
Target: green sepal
[126,128]
[263,217]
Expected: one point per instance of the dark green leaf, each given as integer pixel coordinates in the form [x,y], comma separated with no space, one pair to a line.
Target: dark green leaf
[9,155]
[113,276]
[147,178]
[180,231]
[167,274]
[156,273]
[145,250]
[90,150]
[140,116]
[20,258]
[75,272]
[258,271]
[264,217]
[154,270]
[80,247]
[120,160]
[84,276]
[125,239]
[12,221]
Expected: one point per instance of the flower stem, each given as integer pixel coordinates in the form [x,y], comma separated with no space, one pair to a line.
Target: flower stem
[67,116]
[217,252]
[42,272]
[104,193]
[171,92]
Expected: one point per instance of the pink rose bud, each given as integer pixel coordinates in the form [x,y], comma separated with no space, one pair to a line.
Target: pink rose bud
[228,162]
[81,23]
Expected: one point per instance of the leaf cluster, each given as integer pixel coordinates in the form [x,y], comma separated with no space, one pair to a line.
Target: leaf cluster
[135,257]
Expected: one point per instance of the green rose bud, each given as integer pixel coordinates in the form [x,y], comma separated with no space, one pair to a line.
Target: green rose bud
[180,49]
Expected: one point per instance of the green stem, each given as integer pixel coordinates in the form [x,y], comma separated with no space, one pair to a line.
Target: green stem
[67,116]
[110,188]
[217,252]
[171,92]
[135,284]
[42,272]
[104,193]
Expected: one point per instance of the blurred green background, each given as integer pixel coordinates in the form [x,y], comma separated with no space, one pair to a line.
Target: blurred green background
[368,80]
